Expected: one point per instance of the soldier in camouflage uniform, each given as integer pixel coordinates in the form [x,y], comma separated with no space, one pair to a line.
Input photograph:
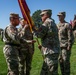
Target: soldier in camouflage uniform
[65,38]
[25,61]
[74,27]
[12,39]
[50,43]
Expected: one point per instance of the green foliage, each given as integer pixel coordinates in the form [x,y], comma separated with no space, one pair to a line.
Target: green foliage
[37,18]
[37,61]
[1,30]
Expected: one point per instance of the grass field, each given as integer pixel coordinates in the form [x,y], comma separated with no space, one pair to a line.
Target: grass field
[37,61]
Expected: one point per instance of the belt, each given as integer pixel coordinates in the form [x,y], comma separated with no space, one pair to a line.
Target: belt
[11,44]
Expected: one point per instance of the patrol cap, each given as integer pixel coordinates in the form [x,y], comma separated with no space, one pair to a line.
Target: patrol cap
[47,11]
[14,15]
[61,13]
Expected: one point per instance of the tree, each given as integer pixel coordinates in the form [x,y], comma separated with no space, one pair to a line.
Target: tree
[1,30]
[37,18]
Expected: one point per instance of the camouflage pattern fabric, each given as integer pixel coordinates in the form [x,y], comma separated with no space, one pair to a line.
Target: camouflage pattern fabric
[48,33]
[65,38]
[74,33]
[74,28]
[11,54]
[11,50]
[50,65]
[27,52]
[65,61]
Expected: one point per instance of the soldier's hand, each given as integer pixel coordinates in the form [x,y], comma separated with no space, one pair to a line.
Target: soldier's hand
[39,46]
[30,41]
[26,26]
[68,48]
[33,41]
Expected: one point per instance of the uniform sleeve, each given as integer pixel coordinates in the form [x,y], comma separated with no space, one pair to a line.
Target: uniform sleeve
[52,29]
[42,32]
[14,35]
[69,32]
[22,32]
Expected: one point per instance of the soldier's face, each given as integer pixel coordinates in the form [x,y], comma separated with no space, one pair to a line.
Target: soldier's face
[23,23]
[61,17]
[15,21]
[44,17]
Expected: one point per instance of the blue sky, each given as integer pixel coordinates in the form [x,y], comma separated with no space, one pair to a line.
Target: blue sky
[8,6]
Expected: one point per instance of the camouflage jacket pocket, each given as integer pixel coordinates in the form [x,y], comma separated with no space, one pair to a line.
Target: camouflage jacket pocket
[10,51]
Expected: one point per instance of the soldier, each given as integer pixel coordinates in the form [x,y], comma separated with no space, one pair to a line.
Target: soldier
[65,32]
[25,61]
[12,39]
[74,27]
[48,33]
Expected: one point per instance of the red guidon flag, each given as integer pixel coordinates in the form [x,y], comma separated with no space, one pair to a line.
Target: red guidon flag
[26,12]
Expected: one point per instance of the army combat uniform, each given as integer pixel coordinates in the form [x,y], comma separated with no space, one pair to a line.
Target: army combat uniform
[50,46]
[12,39]
[27,52]
[65,38]
[74,28]
[11,49]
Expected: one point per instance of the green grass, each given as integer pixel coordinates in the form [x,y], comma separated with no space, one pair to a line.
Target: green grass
[3,66]
[37,61]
